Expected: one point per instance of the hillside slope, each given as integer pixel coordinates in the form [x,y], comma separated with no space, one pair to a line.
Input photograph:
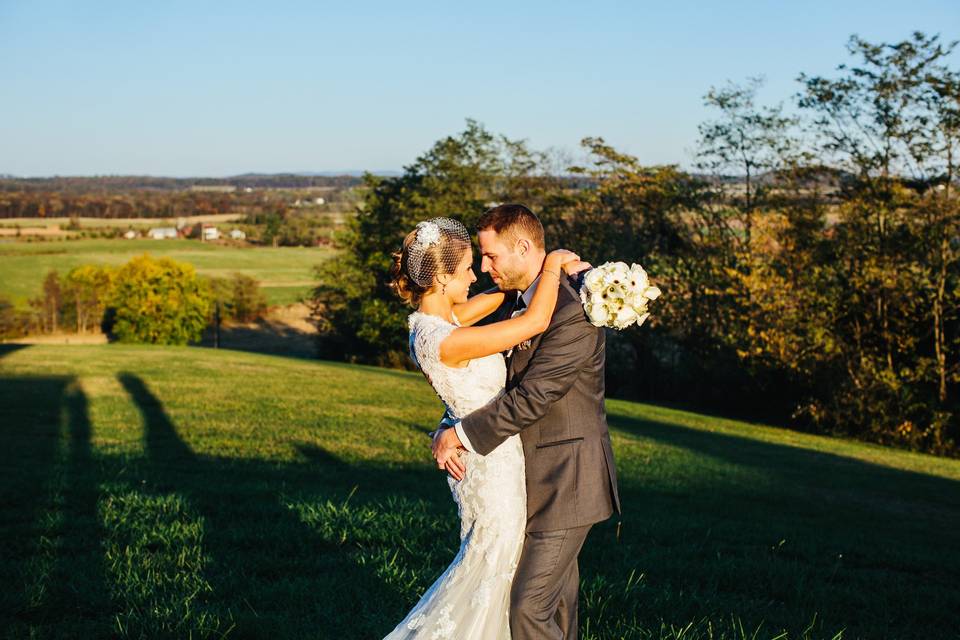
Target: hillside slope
[172,491]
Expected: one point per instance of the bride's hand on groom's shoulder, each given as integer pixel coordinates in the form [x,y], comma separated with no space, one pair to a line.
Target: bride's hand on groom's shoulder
[569,261]
[575,267]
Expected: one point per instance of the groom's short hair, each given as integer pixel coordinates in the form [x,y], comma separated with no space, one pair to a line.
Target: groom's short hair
[513,221]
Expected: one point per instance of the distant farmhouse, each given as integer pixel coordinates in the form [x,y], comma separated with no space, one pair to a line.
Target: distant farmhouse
[209,233]
[162,233]
[215,188]
[309,201]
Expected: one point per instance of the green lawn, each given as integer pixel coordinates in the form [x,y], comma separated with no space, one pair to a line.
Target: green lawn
[186,492]
[286,273]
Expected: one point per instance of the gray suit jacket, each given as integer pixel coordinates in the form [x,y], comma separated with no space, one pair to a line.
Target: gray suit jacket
[554,400]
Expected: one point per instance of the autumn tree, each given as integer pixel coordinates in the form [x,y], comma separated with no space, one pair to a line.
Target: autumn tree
[159,301]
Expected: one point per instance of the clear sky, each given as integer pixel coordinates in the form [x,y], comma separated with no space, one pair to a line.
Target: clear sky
[214,89]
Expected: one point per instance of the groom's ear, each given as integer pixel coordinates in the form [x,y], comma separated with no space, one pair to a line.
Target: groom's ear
[523,245]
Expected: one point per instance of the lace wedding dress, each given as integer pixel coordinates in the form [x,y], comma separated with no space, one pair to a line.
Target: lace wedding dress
[471,599]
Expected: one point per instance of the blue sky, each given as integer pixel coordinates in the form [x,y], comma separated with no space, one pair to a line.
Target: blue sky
[214,89]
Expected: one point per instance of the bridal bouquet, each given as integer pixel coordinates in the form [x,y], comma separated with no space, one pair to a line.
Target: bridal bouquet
[615,295]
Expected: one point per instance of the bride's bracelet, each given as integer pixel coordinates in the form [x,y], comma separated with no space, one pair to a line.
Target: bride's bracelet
[553,272]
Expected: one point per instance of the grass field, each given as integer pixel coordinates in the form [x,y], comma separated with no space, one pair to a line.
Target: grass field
[125,223]
[186,492]
[286,273]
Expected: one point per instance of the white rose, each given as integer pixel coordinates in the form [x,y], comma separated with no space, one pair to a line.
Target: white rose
[598,314]
[594,279]
[621,272]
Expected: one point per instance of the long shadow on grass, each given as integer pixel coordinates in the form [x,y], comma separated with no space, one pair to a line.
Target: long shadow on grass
[772,531]
[80,581]
[29,442]
[52,569]
[7,349]
[822,479]
[277,561]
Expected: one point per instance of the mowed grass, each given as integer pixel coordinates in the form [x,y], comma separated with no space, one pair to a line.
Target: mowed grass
[285,273]
[186,492]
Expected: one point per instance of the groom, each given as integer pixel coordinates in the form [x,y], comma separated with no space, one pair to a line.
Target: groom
[554,400]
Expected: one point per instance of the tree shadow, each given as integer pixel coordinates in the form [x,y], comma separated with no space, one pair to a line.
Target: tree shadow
[7,348]
[272,532]
[49,493]
[264,337]
[28,457]
[778,529]
[289,553]
[809,475]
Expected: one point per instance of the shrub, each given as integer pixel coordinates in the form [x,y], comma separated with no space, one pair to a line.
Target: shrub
[159,301]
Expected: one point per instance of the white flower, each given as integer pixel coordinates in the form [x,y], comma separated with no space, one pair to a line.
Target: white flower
[598,314]
[637,300]
[428,233]
[625,317]
[638,278]
[615,295]
[593,280]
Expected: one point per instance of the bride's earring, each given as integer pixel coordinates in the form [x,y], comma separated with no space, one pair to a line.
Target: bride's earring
[444,290]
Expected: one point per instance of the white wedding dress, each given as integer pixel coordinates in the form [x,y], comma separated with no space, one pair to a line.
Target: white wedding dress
[471,599]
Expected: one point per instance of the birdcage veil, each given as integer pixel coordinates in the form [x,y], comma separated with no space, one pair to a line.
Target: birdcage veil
[439,241]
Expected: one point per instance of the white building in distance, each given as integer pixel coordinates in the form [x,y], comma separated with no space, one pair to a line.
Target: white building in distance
[162,233]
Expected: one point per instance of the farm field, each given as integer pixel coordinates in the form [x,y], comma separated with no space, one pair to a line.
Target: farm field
[95,223]
[188,492]
[285,273]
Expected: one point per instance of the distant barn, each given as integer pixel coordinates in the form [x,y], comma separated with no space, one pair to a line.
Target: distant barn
[162,233]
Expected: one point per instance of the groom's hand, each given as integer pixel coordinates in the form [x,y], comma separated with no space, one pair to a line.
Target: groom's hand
[447,451]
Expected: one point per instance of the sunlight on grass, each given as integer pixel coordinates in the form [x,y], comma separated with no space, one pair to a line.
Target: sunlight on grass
[178,492]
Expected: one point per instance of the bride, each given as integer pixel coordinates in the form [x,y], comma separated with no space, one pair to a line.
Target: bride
[433,272]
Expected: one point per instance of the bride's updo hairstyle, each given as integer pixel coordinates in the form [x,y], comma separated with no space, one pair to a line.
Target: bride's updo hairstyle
[434,248]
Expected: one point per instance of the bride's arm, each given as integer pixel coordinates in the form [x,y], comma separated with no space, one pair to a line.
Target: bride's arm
[478,307]
[466,343]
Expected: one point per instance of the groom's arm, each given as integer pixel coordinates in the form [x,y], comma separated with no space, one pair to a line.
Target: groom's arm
[552,370]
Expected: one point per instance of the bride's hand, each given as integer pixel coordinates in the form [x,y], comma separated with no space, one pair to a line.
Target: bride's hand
[573,268]
[558,258]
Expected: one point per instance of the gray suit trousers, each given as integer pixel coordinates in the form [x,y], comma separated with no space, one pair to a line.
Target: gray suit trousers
[543,600]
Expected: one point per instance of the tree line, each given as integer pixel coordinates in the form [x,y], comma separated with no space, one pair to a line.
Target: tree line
[121,184]
[147,300]
[809,260]
[158,203]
